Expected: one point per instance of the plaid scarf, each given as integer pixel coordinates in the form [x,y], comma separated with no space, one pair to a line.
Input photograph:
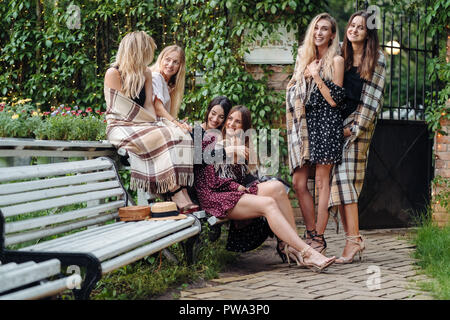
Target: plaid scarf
[161,154]
[348,177]
[297,95]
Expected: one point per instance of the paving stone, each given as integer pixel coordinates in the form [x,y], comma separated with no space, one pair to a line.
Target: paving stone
[339,296]
[384,249]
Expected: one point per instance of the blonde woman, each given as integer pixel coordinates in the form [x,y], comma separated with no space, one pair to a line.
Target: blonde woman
[315,132]
[160,148]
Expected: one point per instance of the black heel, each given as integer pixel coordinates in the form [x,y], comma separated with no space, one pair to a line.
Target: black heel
[280,250]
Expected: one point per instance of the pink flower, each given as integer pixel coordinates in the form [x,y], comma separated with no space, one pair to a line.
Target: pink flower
[67,108]
[89,110]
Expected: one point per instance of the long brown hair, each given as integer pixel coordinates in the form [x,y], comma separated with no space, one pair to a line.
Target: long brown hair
[371,49]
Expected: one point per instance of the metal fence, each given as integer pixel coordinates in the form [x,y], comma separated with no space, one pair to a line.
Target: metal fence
[408,90]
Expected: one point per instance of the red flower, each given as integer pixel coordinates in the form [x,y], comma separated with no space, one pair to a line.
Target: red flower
[89,109]
[67,108]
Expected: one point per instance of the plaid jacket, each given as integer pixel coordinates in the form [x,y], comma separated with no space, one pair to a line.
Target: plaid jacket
[348,177]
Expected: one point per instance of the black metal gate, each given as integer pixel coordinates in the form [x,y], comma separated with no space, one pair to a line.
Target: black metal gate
[400,164]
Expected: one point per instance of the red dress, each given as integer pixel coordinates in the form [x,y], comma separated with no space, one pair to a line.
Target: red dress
[218,195]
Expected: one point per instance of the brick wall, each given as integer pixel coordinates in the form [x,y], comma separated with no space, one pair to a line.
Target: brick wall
[442,168]
[442,164]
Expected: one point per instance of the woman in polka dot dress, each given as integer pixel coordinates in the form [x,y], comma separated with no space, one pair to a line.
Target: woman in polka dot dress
[314,121]
[221,193]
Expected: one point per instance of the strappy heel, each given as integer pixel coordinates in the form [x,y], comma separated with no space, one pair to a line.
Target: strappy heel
[319,244]
[190,208]
[308,236]
[300,260]
[359,250]
[280,251]
[290,255]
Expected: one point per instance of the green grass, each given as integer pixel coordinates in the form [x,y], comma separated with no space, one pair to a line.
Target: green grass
[433,254]
[155,275]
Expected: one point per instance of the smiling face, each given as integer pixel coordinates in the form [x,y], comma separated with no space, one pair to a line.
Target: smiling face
[170,64]
[323,33]
[357,31]
[234,122]
[215,117]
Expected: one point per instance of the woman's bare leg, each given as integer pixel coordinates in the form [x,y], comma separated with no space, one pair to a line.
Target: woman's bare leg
[305,200]
[181,198]
[323,186]
[352,227]
[253,206]
[276,190]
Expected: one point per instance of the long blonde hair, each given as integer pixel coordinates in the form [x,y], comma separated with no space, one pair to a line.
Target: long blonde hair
[136,52]
[177,81]
[307,52]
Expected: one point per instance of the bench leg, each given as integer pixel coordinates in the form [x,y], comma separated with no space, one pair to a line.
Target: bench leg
[190,248]
[86,260]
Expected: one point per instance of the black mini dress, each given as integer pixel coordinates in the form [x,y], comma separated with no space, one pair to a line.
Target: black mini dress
[325,126]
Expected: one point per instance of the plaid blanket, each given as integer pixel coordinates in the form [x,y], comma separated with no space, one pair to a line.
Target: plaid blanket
[348,177]
[161,154]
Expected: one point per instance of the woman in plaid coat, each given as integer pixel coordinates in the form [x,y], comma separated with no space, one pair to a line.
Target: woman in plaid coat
[364,83]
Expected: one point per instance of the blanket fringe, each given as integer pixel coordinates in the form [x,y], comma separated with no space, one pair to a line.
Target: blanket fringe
[162,186]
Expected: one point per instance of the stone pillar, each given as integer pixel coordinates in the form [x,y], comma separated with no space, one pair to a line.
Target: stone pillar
[442,165]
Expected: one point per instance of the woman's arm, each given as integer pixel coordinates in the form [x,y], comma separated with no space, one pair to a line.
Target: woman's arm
[338,78]
[148,104]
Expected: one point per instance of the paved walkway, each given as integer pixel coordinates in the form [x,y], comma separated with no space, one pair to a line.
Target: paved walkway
[386,273]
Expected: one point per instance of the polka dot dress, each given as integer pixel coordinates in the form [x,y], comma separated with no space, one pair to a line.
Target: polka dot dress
[325,126]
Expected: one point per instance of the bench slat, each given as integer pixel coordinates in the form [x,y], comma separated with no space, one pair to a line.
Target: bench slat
[58,202]
[55,192]
[141,239]
[22,237]
[54,169]
[48,245]
[44,290]
[60,218]
[23,275]
[12,188]
[108,238]
[144,251]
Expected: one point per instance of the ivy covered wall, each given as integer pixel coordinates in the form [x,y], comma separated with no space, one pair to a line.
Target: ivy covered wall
[56,52]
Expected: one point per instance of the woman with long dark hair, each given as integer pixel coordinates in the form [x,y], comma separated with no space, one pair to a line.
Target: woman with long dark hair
[222,193]
[364,83]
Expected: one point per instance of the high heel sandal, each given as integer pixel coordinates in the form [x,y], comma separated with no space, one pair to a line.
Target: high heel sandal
[319,244]
[300,260]
[190,208]
[359,250]
[280,247]
[308,236]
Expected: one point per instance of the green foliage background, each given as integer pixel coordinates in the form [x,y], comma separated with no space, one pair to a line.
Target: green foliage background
[43,59]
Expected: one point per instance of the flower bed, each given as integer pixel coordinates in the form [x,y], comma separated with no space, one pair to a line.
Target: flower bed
[21,119]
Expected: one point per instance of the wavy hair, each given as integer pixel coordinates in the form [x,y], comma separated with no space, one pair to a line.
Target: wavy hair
[307,52]
[135,53]
[177,81]
[371,49]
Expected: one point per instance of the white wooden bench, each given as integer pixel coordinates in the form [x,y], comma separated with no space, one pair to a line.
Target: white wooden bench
[69,211]
[30,280]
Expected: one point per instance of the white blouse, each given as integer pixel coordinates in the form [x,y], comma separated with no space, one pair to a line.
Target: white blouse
[161,90]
